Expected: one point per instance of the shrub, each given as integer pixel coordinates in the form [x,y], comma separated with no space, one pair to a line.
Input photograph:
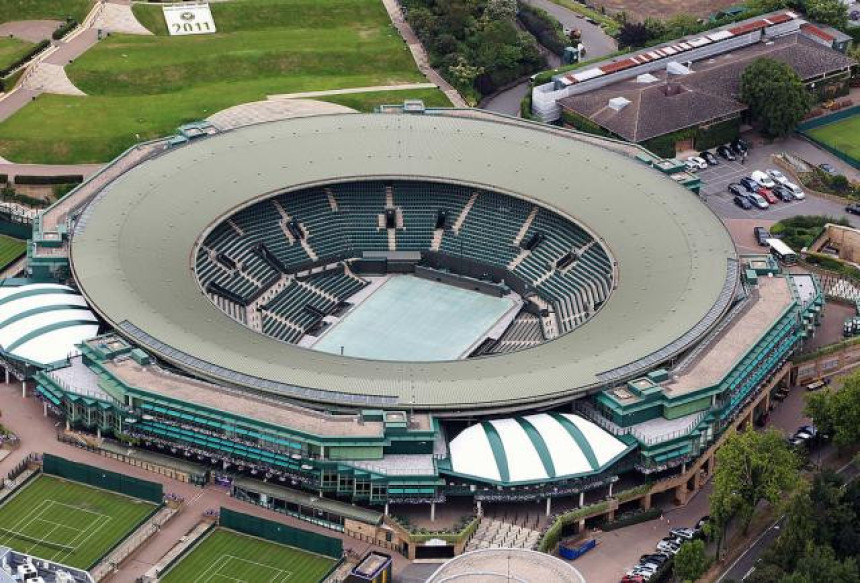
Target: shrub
[40,180]
[632,518]
[25,57]
[544,27]
[64,29]
[800,231]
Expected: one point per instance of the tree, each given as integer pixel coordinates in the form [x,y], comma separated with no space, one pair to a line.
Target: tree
[752,467]
[796,533]
[505,10]
[838,412]
[691,562]
[681,25]
[775,95]
[830,12]
[762,6]
[632,34]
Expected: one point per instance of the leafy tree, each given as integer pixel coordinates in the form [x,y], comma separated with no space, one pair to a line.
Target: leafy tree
[681,24]
[838,411]
[632,34]
[796,533]
[505,10]
[751,467]
[822,565]
[767,573]
[691,562]
[775,95]
[762,6]
[656,28]
[830,12]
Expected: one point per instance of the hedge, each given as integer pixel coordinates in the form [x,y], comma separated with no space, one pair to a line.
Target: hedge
[553,534]
[584,124]
[26,57]
[9,195]
[61,179]
[64,29]
[632,518]
[703,138]
[546,29]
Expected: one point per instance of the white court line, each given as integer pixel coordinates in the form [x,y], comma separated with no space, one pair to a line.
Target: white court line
[79,544]
[29,518]
[215,564]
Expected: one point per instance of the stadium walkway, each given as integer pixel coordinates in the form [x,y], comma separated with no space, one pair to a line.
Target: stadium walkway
[24,417]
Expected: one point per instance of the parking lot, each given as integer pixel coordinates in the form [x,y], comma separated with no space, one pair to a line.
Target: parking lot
[715,180]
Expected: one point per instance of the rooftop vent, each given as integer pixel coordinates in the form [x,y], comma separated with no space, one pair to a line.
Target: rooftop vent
[618,103]
[646,78]
[676,68]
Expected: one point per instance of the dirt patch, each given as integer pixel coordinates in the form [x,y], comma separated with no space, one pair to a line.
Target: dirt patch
[638,10]
[30,30]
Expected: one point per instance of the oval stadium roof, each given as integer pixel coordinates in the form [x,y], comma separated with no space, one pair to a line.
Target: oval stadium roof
[131,256]
[42,323]
[535,448]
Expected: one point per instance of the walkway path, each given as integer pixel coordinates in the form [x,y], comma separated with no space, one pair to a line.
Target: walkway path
[30,30]
[419,54]
[400,87]
[272,110]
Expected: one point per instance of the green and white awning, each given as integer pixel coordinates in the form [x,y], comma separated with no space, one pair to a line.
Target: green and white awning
[534,448]
[42,323]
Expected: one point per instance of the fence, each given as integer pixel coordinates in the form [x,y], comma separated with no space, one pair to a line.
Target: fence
[104,479]
[281,533]
[826,120]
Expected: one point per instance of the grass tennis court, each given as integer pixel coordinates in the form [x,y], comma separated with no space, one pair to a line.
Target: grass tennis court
[415,319]
[68,522]
[10,250]
[841,135]
[227,556]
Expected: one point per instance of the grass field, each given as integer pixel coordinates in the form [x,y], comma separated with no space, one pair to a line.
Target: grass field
[226,556]
[68,522]
[147,86]
[11,10]
[841,135]
[11,49]
[369,101]
[10,250]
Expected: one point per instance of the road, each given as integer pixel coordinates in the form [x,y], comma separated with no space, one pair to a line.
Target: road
[597,43]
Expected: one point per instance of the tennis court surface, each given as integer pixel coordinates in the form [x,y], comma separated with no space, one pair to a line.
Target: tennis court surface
[68,522]
[226,556]
[415,319]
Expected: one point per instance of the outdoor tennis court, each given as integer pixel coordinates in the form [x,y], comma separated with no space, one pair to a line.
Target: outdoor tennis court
[415,319]
[68,522]
[227,556]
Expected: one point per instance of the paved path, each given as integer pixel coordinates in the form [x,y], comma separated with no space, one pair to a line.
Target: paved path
[400,87]
[30,30]
[273,110]
[119,17]
[48,78]
[419,54]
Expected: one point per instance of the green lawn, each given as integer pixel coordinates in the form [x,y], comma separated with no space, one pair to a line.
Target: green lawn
[842,135]
[226,555]
[12,49]
[147,86]
[11,10]
[68,522]
[10,250]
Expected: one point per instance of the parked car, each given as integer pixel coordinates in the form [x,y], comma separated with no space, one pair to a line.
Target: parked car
[750,184]
[795,441]
[782,193]
[737,189]
[739,145]
[854,15]
[658,558]
[709,158]
[633,579]
[853,208]
[742,201]
[699,162]
[761,235]
[795,190]
[726,153]
[762,179]
[700,524]
[668,547]
[683,533]
[777,176]
[817,384]
[828,168]
[767,194]
[757,200]
[691,166]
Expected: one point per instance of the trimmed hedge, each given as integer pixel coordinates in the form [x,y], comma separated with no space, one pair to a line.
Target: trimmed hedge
[44,180]
[584,124]
[546,29]
[632,518]
[64,29]
[25,57]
